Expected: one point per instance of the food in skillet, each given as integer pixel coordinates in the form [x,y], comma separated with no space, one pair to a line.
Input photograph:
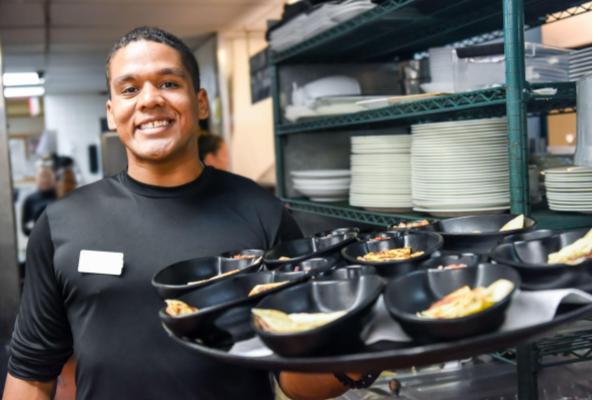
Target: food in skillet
[283,258]
[264,287]
[243,257]
[514,224]
[411,224]
[452,266]
[276,321]
[575,253]
[466,301]
[399,254]
[177,308]
[224,274]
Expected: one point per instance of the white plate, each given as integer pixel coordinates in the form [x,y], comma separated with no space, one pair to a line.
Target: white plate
[325,181]
[334,192]
[321,173]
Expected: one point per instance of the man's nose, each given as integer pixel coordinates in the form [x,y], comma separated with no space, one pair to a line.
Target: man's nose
[151,97]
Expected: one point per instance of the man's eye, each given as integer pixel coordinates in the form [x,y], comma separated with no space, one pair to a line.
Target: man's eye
[128,90]
[170,85]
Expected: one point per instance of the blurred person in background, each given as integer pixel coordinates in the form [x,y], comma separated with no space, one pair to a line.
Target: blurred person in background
[213,151]
[35,204]
[66,182]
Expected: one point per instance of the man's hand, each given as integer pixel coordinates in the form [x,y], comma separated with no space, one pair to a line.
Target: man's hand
[18,389]
[313,386]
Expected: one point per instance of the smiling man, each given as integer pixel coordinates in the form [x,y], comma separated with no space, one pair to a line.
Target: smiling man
[164,208]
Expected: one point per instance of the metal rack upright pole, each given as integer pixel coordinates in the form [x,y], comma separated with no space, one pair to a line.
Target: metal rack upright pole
[516,106]
[280,175]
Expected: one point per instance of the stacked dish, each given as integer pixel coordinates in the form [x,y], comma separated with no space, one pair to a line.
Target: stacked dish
[380,168]
[580,63]
[322,185]
[460,167]
[569,188]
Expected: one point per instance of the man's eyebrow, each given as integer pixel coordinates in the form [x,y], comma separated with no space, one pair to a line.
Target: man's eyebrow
[164,71]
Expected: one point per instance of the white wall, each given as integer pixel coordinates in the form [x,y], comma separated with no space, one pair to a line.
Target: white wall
[76,121]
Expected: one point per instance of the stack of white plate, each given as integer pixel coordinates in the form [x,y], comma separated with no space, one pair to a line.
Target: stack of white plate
[569,188]
[460,167]
[381,173]
[322,185]
[580,63]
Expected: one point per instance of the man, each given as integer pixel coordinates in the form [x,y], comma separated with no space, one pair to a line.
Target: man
[35,204]
[213,151]
[163,209]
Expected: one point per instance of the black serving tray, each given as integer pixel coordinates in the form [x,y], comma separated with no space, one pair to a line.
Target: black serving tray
[394,355]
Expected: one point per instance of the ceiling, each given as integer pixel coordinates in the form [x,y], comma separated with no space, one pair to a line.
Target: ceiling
[69,39]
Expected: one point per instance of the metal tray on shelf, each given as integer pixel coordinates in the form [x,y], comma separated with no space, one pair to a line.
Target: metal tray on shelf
[391,355]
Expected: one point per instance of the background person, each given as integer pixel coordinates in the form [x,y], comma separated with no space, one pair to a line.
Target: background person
[213,151]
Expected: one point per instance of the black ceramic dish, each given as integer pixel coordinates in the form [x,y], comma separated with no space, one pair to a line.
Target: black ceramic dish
[224,308]
[252,254]
[313,266]
[395,227]
[349,272]
[357,296]
[531,235]
[478,233]
[172,281]
[530,257]
[375,236]
[302,249]
[407,295]
[338,231]
[427,242]
[446,258]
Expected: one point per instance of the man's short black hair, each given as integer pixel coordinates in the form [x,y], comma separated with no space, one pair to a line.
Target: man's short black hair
[157,35]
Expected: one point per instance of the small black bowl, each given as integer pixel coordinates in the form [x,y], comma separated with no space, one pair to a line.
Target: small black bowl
[428,242]
[530,257]
[428,227]
[446,258]
[357,296]
[312,266]
[531,235]
[477,233]
[172,281]
[413,293]
[348,272]
[252,254]
[229,299]
[302,249]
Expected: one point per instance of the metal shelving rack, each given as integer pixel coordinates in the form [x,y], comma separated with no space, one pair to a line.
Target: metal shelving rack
[397,29]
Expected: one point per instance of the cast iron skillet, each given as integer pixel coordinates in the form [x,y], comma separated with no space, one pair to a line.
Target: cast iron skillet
[530,257]
[428,242]
[379,235]
[478,233]
[303,249]
[409,294]
[312,266]
[531,235]
[348,272]
[172,281]
[224,308]
[357,296]
[338,231]
[446,258]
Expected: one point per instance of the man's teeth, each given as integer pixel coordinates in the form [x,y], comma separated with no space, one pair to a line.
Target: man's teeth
[154,124]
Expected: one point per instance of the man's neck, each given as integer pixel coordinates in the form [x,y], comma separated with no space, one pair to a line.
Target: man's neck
[168,174]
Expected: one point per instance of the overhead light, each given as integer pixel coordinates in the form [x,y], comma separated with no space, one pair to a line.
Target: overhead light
[21,79]
[24,91]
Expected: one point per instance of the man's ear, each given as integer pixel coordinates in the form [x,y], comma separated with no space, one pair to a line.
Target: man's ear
[203,109]
[111,121]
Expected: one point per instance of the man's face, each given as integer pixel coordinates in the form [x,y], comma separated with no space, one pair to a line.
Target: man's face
[153,105]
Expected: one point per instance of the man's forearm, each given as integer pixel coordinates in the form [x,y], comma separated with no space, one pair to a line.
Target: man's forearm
[19,389]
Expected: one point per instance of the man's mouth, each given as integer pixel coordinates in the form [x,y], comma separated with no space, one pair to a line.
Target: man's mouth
[154,125]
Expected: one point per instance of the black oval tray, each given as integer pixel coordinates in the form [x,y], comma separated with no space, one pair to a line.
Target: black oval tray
[394,355]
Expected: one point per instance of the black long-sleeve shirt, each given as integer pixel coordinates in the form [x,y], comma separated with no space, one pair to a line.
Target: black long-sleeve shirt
[110,322]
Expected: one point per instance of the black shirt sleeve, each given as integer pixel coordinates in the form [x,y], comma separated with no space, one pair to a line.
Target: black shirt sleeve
[288,228]
[41,341]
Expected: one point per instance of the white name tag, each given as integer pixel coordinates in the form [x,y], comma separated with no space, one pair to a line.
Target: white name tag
[100,262]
